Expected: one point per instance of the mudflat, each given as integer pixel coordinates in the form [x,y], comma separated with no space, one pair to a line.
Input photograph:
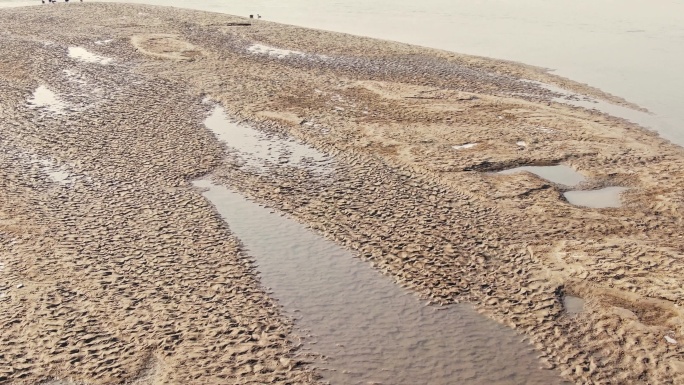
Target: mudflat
[115,269]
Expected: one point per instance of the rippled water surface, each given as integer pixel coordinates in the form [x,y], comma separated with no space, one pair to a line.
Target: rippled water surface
[371,330]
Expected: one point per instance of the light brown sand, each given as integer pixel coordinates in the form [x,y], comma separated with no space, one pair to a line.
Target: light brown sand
[128,268]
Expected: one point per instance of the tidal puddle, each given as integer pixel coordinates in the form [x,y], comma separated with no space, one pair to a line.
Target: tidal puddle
[272,51]
[371,330]
[56,173]
[281,53]
[464,146]
[254,148]
[59,176]
[80,53]
[603,198]
[44,98]
[560,174]
[573,305]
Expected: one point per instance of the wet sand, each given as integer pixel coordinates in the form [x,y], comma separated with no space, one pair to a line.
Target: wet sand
[115,269]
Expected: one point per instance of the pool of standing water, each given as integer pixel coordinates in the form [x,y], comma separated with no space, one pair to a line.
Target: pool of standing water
[371,330]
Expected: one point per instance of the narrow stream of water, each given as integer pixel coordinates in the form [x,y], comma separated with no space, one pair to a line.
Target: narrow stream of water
[371,329]
[258,151]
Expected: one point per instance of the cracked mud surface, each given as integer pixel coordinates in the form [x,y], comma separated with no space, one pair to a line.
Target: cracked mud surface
[121,272]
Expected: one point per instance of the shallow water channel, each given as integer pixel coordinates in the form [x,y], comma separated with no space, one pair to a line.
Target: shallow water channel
[370,329]
[258,151]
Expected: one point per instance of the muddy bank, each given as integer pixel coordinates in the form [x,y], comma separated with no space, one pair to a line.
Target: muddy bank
[118,270]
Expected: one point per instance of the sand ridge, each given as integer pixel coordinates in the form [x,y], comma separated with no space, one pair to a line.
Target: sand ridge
[130,266]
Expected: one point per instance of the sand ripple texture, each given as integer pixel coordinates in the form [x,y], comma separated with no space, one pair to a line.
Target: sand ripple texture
[125,274]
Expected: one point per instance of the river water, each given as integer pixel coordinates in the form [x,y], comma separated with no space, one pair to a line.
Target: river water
[630,48]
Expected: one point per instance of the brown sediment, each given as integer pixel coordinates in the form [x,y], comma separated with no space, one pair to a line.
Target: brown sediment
[126,273]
